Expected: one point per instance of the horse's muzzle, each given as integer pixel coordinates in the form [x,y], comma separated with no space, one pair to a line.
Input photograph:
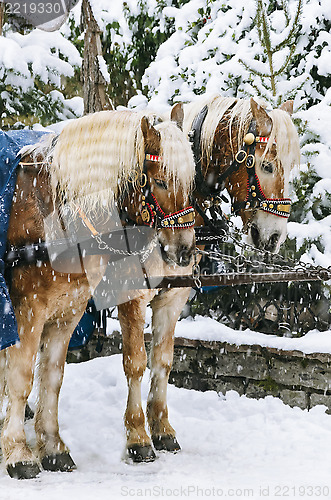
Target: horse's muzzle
[270,244]
[185,255]
[182,256]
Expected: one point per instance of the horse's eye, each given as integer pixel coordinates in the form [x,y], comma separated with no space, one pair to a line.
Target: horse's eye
[267,166]
[161,184]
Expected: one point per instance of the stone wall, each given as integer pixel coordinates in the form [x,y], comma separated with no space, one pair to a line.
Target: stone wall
[298,379]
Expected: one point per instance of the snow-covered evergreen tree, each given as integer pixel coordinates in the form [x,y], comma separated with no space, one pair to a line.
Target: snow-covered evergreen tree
[35,67]
[278,50]
[132,33]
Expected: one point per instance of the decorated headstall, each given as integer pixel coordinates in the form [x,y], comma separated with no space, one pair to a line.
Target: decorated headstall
[151,212]
[255,198]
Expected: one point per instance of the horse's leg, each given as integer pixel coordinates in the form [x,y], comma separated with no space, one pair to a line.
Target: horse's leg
[166,307]
[52,452]
[132,318]
[20,461]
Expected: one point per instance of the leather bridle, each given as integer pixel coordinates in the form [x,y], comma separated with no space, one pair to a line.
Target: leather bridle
[151,212]
[255,197]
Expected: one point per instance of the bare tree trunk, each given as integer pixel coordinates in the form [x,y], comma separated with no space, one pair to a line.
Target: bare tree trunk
[94,83]
[2,16]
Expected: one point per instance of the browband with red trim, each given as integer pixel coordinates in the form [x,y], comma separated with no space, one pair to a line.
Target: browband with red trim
[263,140]
[153,157]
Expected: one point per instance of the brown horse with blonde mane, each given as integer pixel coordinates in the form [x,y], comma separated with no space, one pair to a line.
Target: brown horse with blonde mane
[250,152]
[99,164]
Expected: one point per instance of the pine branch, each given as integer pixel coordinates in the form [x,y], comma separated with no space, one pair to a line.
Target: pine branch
[294,30]
[287,60]
[263,25]
[286,12]
[254,71]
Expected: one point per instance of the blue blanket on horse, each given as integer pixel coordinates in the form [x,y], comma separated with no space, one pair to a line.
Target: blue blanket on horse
[10,144]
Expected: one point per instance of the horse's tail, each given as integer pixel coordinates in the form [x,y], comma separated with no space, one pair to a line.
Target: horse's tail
[43,149]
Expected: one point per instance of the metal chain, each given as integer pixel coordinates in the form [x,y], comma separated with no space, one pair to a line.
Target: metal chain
[196,272]
[240,261]
[143,254]
[272,262]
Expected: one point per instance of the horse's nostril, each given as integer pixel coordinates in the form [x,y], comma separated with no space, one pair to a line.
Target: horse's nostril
[272,243]
[255,234]
[184,256]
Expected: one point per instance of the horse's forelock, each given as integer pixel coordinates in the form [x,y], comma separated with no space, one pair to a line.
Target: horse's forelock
[177,158]
[287,139]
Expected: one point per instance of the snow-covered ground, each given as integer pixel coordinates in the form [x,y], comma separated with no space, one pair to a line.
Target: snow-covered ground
[231,446]
[205,328]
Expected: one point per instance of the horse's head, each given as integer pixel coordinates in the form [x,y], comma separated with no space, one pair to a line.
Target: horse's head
[169,171]
[260,187]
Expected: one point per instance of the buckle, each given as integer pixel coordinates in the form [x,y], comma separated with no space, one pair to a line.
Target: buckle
[143,180]
[241,156]
[250,161]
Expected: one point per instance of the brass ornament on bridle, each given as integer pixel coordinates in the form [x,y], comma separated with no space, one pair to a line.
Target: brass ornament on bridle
[143,180]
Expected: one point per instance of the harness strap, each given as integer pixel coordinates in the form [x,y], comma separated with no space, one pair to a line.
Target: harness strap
[151,212]
[241,156]
[255,198]
[195,139]
[218,225]
[86,221]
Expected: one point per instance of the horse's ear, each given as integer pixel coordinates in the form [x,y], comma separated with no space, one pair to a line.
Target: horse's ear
[151,135]
[263,120]
[288,107]
[177,115]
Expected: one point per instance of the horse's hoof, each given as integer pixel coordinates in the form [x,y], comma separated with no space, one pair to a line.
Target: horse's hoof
[141,453]
[58,463]
[23,470]
[166,443]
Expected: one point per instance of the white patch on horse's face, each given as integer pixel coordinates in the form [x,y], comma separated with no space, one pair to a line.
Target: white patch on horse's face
[177,246]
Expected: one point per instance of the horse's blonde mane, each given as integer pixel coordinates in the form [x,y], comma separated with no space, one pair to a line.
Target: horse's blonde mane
[94,157]
[240,116]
